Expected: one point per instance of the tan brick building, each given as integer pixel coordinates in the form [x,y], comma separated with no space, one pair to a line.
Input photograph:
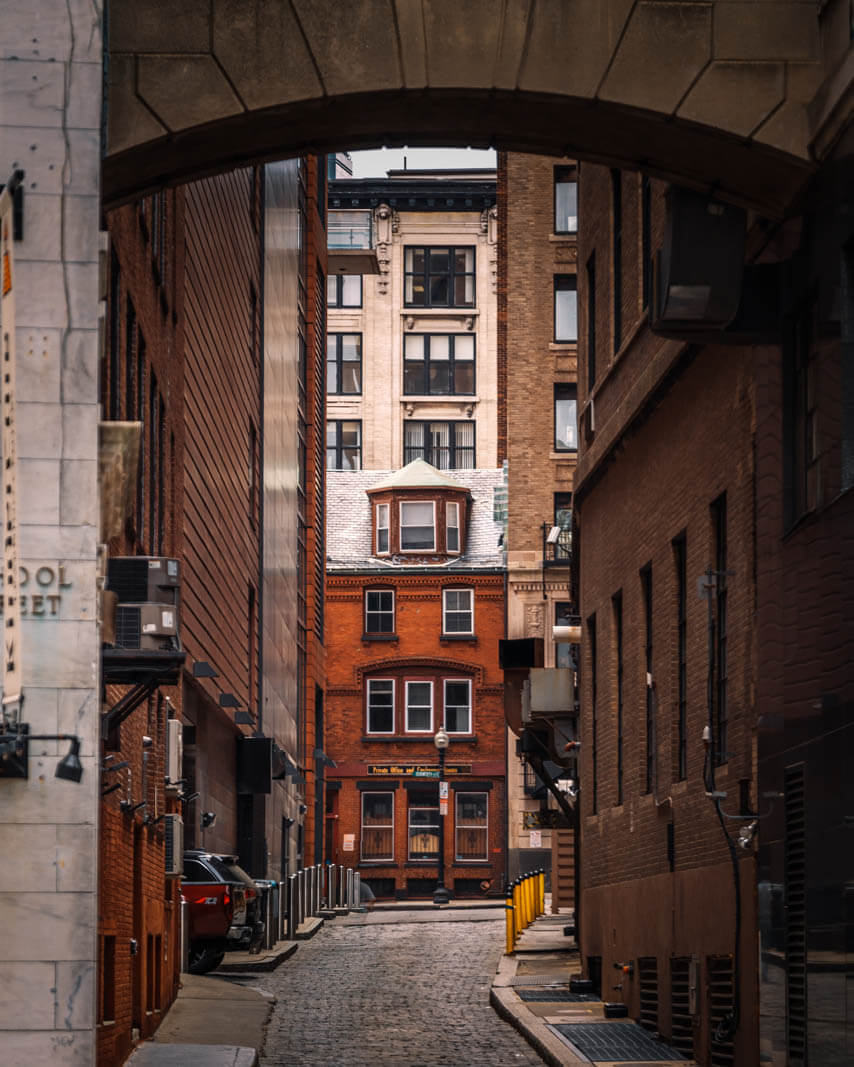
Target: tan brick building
[537,345]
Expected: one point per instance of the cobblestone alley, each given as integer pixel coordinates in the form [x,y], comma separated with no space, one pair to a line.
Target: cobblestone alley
[394,990]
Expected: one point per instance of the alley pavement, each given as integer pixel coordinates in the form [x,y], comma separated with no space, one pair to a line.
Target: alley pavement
[401,986]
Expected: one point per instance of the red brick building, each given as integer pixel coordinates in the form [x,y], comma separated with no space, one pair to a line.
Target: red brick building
[415,585]
[187,371]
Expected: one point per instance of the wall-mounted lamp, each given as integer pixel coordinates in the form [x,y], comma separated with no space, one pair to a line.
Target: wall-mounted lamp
[208,819]
[14,753]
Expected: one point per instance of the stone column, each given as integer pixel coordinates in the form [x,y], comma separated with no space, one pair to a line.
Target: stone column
[50,85]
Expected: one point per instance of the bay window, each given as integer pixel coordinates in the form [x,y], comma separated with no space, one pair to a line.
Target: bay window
[452,527]
[417,526]
[382,529]
[419,707]
[380,706]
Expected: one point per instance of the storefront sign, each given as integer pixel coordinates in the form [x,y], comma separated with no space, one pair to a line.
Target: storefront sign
[416,770]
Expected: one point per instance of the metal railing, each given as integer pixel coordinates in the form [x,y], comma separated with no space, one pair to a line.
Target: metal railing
[525,901]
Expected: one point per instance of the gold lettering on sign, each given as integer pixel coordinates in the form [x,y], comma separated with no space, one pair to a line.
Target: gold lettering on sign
[12,612]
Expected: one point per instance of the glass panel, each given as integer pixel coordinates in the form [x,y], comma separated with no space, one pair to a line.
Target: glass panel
[465,446]
[331,377]
[331,434]
[440,439]
[566,315]
[464,377]
[414,291]
[349,229]
[413,378]
[463,260]
[413,346]
[351,460]
[351,290]
[423,816]
[332,290]
[351,378]
[377,843]
[419,706]
[381,707]
[440,377]
[439,291]
[415,260]
[566,429]
[440,347]
[351,346]
[377,808]
[457,708]
[416,513]
[464,346]
[382,540]
[452,528]
[440,260]
[464,290]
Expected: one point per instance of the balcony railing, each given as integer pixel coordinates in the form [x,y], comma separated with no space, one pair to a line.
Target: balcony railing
[557,545]
[349,229]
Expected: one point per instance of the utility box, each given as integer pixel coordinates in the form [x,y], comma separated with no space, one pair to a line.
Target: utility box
[549,691]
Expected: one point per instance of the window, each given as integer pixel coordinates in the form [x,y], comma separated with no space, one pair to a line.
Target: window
[380,706]
[563,519]
[417,526]
[566,200]
[423,829]
[719,523]
[452,527]
[472,843]
[646,586]
[563,649]
[343,445]
[440,364]
[458,705]
[680,559]
[617,254]
[344,363]
[377,826]
[457,611]
[382,529]
[419,707]
[566,415]
[447,445]
[617,605]
[379,611]
[439,277]
[344,291]
[566,308]
[591,322]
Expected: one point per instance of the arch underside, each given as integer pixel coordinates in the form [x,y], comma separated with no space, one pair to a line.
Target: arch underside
[720,163]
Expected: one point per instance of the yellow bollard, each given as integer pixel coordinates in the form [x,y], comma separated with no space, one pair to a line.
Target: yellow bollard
[517,909]
[542,885]
[509,923]
[529,900]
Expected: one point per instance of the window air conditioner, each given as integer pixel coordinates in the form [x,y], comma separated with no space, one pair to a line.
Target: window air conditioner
[144,579]
[174,846]
[174,753]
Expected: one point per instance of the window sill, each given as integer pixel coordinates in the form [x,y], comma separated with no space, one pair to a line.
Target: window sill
[561,236]
[380,637]
[436,312]
[439,398]
[569,348]
[374,864]
[458,637]
[564,454]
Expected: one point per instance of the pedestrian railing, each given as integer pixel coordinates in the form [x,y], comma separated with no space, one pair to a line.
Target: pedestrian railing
[525,900]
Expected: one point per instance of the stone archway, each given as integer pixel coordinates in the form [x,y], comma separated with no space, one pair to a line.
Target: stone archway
[711,94]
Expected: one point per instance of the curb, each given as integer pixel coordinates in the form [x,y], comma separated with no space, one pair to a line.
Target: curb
[554,1052]
[265,964]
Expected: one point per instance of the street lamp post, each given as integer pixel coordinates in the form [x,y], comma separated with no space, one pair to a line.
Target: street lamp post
[441,895]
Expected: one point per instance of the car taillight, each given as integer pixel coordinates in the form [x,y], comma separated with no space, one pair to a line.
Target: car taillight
[226,896]
[251,893]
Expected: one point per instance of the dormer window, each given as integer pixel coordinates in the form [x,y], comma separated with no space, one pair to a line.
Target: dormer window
[417,526]
[382,529]
[452,527]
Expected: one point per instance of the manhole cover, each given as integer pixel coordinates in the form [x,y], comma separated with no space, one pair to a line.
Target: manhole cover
[616,1041]
[552,994]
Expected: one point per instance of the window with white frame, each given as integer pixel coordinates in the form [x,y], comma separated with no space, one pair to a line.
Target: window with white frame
[458,611]
[377,826]
[471,829]
[379,611]
[423,830]
[380,706]
[417,526]
[382,529]
[458,705]
[452,527]
[419,707]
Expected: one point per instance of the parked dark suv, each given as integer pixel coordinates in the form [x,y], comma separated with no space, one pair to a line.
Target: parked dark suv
[224,908]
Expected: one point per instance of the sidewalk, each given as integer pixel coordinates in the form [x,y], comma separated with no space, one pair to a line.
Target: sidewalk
[531,991]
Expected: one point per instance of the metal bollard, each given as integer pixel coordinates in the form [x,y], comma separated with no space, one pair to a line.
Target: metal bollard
[269,939]
[349,889]
[292,906]
[312,878]
[357,889]
[300,896]
[318,895]
[332,884]
[342,897]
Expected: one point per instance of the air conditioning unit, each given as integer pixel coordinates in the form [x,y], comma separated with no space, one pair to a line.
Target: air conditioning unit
[174,846]
[174,753]
[147,626]
[549,691]
[144,579]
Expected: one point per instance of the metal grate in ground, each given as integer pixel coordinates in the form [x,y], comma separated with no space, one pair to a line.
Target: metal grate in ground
[538,979]
[553,995]
[616,1041]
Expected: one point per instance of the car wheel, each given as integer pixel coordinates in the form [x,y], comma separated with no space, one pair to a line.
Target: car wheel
[203,960]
